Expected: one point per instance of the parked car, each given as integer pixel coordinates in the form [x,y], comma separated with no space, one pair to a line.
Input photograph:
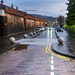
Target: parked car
[59,29]
[38,28]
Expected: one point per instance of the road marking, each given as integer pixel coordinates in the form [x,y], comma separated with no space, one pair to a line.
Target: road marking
[52,67]
[52,73]
[51,57]
[73,60]
[52,61]
[56,55]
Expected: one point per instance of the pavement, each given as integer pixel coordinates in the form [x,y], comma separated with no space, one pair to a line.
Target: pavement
[66,49]
[36,58]
[60,49]
[5,45]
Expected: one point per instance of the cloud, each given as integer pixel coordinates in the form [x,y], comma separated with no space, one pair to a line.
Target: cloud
[45,7]
[54,9]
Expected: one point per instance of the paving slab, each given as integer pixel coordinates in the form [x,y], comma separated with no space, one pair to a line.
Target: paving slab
[66,49]
[62,49]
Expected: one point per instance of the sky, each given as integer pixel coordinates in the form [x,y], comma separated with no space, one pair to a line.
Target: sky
[53,8]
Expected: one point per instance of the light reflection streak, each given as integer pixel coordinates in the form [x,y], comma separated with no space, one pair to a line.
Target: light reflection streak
[48,33]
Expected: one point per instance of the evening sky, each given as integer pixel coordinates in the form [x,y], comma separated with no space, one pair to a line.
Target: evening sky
[44,7]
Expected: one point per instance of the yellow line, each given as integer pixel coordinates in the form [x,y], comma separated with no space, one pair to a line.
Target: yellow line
[51,53]
[73,60]
[59,56]
[47,49]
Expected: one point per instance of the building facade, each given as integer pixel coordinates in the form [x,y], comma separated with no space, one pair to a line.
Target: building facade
[33,22]
[14,21]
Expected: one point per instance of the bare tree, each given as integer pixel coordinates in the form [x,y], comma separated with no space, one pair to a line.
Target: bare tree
[61,20]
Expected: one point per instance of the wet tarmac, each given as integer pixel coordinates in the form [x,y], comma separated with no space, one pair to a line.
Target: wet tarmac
[20,47]
[36,58]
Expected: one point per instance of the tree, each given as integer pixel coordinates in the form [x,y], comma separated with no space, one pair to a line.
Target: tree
[71,13]
[61,20]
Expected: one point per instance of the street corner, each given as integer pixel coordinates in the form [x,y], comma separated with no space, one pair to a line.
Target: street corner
[62,49]
[51,52]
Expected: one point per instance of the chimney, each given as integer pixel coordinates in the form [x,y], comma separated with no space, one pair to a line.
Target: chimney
[16,7]
[2,2]
[11,5]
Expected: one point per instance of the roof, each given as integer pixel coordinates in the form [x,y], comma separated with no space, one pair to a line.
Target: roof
[12,10]
[34,18]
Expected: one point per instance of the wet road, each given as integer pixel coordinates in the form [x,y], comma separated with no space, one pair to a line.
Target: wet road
[35,57]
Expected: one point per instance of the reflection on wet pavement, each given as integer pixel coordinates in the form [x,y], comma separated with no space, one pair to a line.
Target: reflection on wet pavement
[43,39]
[5,44]
[31,59]
[69,40]
[20,47]
[71,45]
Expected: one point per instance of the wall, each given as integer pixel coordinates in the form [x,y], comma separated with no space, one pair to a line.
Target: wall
[37,23]
[30,24]
[33,22]
[42,24]
[2,12]
[14,23]
[3,25]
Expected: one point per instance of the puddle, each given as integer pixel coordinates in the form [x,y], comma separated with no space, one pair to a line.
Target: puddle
[20,47]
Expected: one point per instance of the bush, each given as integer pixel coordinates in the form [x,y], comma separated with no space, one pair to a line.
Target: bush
[70,28]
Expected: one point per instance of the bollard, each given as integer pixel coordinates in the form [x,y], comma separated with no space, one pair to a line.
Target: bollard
[38,30]
[43,29]
[34,32]
[12,40]
[60,40]
[25,35]
[57,35]
[31,34]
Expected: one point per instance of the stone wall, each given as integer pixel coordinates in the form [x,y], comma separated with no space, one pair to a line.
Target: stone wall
[30,24]
[42,23]
[37,23]
[14,23]
[33,22]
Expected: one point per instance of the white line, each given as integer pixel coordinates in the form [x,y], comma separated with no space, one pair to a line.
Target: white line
[52,61]
[52,57]
[52,67]
[52,73]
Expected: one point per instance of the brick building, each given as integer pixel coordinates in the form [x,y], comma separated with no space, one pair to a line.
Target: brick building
[33,22]
[14,21]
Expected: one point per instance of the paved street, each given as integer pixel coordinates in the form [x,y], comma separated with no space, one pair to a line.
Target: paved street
[34,56]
